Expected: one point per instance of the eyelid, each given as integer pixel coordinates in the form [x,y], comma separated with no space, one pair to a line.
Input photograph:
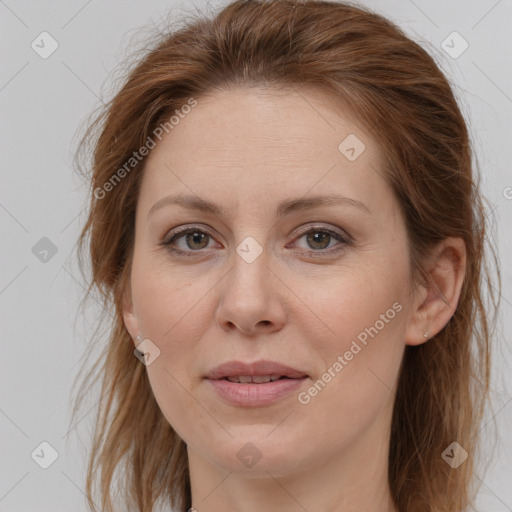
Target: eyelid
[336,232]
[185,227]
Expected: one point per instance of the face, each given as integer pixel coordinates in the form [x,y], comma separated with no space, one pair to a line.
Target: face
[276,274]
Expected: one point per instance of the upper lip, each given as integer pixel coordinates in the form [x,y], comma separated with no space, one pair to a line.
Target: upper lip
[258,368]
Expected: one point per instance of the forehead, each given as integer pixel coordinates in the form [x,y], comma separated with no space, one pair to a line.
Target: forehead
[259,145]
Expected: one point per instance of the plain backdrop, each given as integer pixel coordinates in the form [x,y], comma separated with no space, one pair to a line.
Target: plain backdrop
[44,101]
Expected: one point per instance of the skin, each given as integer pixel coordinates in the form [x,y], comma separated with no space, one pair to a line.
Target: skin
[247,150]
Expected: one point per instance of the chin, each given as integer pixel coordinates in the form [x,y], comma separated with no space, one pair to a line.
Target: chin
[258,455]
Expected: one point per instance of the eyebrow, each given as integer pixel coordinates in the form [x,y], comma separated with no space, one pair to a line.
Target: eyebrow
[283,209]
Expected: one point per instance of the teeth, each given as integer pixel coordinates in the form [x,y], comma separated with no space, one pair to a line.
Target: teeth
[259,379]
[256,379]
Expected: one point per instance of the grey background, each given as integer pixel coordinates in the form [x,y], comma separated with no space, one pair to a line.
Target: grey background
[44,102]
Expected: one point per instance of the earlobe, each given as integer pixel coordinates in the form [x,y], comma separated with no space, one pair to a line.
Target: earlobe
[438,300]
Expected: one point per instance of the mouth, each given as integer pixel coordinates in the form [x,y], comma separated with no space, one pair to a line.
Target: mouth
[255,379]
[258,372]
[257,384]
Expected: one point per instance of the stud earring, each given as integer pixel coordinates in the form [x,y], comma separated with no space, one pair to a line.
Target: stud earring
[425,335]
[139,338]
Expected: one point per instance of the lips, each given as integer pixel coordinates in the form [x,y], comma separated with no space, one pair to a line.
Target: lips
[257,372]
[258,384]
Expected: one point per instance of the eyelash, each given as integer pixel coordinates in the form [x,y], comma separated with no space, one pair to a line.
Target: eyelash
[178,233]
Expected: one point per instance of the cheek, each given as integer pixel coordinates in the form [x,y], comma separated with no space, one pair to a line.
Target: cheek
[361,361]
[170,303]
[346,303]
[170,312]
[358,334]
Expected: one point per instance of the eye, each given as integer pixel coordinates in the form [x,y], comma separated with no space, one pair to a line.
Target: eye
[195,239]
[319,238]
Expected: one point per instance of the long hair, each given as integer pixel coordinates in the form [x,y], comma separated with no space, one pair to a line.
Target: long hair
[393,88]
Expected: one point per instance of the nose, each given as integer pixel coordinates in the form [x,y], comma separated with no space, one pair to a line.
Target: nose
[251,298]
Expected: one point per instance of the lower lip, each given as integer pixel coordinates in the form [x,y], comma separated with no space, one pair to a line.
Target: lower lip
[253,395]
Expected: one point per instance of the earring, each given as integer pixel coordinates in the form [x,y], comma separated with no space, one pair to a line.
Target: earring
[425,335]
[139,339]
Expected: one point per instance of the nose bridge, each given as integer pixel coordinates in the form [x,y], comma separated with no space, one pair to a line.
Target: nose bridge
[249,278]
[251,252]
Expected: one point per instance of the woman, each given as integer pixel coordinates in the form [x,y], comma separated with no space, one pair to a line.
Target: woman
[315,350]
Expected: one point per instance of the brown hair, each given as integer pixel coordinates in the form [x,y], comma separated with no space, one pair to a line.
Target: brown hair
[394,89]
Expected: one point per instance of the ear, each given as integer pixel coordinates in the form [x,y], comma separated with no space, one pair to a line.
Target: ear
[436,302]
[129,318]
